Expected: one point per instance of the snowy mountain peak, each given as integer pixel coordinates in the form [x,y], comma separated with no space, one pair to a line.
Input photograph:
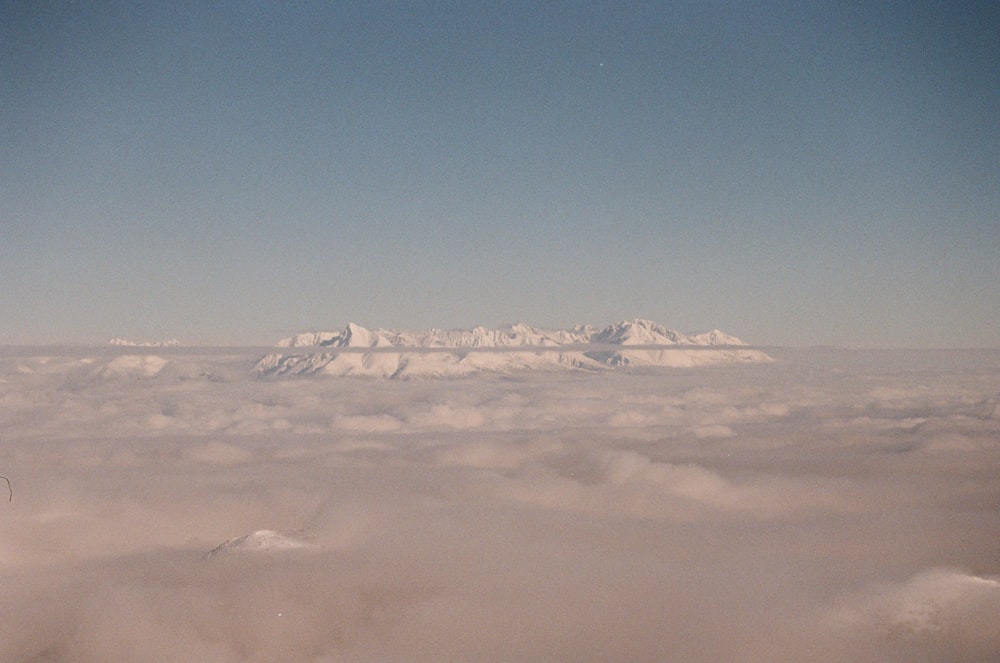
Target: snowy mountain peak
[639,332]
[352,336]
[356,336]
[263,540]
[647,332]
[716,337]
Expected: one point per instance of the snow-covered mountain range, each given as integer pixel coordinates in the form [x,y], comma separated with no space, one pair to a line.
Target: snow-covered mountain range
[627,332]
[438,353]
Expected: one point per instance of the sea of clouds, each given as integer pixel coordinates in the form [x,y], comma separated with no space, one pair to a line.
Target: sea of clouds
[171,505]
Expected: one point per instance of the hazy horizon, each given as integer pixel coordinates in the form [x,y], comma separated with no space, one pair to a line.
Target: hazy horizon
[181,345]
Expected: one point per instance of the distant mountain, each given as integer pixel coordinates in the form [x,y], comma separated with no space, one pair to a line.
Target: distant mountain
[123,342]
[646,332]
[357,351]
[628,332]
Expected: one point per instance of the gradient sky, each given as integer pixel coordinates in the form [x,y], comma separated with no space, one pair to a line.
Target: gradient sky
[792,173]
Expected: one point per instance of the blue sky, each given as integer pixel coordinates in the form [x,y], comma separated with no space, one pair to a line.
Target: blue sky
[792,173]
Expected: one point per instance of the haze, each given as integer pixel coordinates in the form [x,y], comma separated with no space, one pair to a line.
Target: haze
[828,506]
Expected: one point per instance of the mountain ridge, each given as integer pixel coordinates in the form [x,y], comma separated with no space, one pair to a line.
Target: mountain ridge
[357,351]
[636,332]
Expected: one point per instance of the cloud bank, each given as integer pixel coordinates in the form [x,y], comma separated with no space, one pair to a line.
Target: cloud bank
[171,506]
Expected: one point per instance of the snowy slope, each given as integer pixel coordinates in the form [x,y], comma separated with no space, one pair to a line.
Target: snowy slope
[357,351]
[261,541]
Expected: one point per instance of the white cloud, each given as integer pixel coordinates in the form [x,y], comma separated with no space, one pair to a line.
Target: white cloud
[814,509]
[945,613]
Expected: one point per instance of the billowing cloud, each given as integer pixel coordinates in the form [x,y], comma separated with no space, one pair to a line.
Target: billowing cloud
[823,507]
[941,613]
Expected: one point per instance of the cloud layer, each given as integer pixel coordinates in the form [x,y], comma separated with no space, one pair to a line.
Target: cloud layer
[829,506]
